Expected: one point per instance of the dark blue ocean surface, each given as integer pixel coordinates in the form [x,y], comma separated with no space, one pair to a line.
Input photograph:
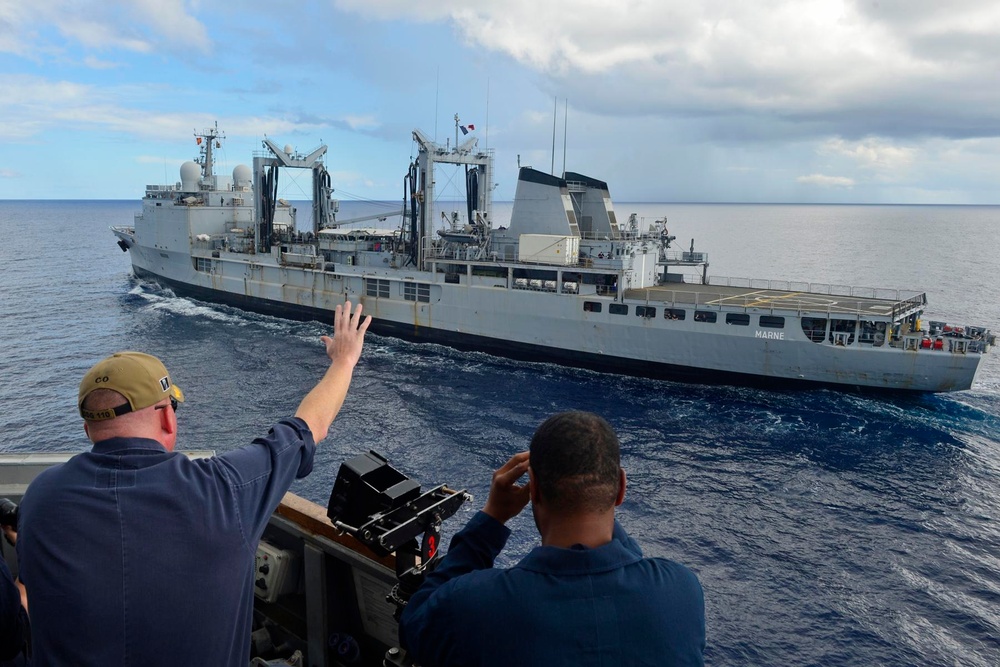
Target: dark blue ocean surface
[827,528]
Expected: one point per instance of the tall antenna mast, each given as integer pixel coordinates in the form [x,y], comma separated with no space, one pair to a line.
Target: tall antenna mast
[555,102]
[565,124]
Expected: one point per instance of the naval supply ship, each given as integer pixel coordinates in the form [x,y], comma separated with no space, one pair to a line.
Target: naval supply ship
[563,282]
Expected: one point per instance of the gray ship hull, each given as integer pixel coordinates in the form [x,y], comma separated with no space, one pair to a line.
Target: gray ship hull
[478,322]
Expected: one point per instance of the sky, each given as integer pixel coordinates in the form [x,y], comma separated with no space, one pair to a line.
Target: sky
[797,101]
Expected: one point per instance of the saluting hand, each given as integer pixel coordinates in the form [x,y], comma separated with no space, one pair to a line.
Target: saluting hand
[507,498]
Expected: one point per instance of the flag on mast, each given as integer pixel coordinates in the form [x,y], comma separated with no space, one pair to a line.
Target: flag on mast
[467,128]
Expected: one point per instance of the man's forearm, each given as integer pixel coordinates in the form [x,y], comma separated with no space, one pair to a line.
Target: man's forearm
[321,405]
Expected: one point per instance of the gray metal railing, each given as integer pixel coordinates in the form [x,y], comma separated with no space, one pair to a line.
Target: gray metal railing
[720,301]
[819,288]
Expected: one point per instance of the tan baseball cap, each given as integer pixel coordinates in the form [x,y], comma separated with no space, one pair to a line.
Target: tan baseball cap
[141,378]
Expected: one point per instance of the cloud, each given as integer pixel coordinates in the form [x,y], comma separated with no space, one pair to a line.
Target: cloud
[752,70]
[31,105]
[170,21]
[872,153]
[93,33]
[395,9]
[28,104]
[14,15]
[826,181]
[138,26]
[9,173]
[96,63]
[708,101]
[838,67]
[361,122]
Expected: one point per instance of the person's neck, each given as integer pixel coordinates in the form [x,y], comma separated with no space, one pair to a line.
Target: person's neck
[590,530]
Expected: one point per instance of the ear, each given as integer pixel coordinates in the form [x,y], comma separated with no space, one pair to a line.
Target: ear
[532,487]
[621,487]
[168,427]
[168,423]
[86,430]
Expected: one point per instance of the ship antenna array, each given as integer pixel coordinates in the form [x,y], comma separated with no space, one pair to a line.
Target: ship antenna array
[211,138]
[555,111]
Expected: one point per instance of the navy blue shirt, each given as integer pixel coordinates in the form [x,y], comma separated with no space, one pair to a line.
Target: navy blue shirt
[607,606]
[13,620]
[132,555]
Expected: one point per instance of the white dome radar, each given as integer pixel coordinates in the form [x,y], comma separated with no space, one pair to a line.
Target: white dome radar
[190,173]
[242,176]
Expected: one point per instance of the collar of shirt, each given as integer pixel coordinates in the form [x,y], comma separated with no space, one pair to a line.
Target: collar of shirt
[622,550]
[123,445]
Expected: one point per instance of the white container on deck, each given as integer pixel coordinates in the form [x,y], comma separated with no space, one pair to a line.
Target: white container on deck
[548,249]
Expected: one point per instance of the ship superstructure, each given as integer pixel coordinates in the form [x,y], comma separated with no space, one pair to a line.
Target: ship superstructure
[564,281]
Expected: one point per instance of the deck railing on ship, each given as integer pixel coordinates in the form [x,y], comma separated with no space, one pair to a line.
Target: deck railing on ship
[820,288]
[907,305]
[780,295]
[685,257]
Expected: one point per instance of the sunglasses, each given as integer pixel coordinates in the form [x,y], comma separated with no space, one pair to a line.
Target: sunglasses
[173,404]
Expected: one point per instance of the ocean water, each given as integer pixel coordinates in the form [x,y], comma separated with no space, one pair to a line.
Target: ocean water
[827,528]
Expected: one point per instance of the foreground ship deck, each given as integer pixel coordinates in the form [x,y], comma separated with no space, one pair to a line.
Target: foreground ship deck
[563,282]
[321,595]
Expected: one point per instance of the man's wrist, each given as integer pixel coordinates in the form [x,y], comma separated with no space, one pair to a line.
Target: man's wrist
[500,517]
[491,514]
[341,365]
[491,524]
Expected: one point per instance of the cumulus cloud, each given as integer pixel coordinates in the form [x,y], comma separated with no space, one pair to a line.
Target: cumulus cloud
[846,68]
[841,65]
[722,100]
[825,181]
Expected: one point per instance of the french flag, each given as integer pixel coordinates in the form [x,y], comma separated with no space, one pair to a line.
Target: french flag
[466,128]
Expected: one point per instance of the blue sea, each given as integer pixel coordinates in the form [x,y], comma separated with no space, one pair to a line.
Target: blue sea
[827,528]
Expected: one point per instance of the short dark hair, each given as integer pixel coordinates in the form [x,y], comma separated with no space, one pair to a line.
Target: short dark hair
[102,399]
[575,458]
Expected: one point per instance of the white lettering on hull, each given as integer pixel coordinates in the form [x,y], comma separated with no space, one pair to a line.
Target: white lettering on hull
[774,335]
